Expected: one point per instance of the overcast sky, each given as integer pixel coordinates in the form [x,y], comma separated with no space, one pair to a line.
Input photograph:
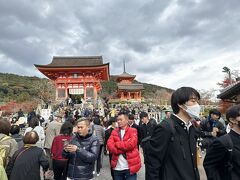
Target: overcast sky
[170,43]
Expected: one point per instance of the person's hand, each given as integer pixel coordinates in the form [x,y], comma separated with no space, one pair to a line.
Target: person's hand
[45,174]
[215,129]
[70,148]
[214,133]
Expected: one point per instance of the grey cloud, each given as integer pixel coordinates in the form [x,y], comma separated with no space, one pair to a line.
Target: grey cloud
[32,32]
[166,66]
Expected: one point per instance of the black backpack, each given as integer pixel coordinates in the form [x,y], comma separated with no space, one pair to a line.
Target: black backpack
[171,124]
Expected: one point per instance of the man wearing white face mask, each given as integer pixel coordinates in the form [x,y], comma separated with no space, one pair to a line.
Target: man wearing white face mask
[171,150]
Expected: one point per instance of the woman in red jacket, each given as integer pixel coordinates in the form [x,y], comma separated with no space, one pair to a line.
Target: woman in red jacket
[59,163]
[122,144]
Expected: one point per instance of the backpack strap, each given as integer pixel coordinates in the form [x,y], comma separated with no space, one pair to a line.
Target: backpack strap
[19,154]
[228,144]
[172,128]
[172,138]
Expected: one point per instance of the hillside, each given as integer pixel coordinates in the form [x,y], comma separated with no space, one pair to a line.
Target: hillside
[23,88]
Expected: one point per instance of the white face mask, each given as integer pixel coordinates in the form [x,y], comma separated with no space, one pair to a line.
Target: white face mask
[193,111]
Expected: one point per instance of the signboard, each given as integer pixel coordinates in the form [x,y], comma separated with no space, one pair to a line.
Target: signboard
[76,91]
[46,113]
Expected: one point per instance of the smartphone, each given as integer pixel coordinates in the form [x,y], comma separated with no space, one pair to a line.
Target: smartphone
[65,142]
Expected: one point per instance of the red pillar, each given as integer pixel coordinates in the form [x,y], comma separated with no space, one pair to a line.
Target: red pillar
[94,92]
[85,92]
[122,95]
[66,91]
[56,92]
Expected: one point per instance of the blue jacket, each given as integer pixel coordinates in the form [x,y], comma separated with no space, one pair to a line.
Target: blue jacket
[81,162]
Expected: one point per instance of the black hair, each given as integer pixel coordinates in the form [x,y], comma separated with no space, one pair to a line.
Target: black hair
[143,114]
[167,112]
[181,96]
[96,120]
[15,129]
[66,128]
[71,120]
[216,112]
[233,112]
[125,114]
[131,117]
[33,122]
[112,120]
[122,111]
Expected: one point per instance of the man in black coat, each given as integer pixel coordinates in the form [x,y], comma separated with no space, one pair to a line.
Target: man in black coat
[222,161]
[147,126]
[31,115]
[20,113]
[112,125]
[82,152]
[171,150]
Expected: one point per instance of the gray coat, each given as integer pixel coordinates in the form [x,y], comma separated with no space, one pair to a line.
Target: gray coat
[99,132]
[53,130]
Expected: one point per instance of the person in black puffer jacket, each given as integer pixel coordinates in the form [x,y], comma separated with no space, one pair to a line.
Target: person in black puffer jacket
[82,152]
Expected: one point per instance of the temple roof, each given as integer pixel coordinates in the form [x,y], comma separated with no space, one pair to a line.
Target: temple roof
[230,91]
[125,74]
[78,61]
[130,86]
[83,64]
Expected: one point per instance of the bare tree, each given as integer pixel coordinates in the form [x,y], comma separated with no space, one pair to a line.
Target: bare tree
[45,90]
[207,96]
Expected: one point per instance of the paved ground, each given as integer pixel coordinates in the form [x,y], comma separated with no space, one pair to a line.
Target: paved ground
[106,175]
[201,169]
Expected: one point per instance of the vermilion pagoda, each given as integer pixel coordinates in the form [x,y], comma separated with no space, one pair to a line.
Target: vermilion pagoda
[127,90]
[76,75]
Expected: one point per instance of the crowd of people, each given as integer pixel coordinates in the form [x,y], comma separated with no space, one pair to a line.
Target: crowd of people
[72,143]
